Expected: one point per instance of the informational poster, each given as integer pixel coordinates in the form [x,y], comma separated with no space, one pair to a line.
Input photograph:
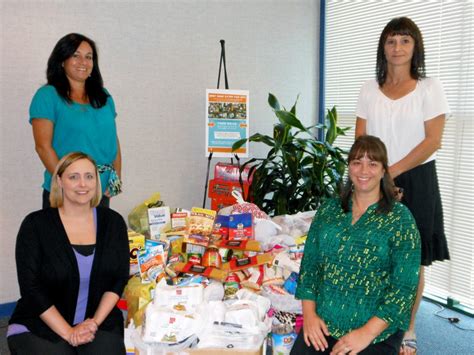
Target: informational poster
[227,121]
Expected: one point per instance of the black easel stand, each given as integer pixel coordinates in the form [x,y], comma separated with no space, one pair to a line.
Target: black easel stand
[209,158]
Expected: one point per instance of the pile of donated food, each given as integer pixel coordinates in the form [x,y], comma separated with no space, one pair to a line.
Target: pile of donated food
[205,279]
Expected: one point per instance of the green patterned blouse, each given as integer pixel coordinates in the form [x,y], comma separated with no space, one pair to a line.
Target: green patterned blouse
[355,272]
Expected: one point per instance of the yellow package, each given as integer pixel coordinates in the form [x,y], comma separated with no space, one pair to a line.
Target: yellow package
[138,217]
[136,242]
[200,225]
[138,295]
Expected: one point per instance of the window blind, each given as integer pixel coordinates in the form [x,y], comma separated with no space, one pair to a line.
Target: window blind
[352,32]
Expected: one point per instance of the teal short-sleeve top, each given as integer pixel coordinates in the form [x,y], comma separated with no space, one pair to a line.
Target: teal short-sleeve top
[77,127]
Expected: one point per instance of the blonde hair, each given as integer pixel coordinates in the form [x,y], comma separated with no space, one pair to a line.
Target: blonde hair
[56,195]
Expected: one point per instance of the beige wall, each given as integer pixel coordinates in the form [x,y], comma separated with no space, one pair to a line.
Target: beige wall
[157,58]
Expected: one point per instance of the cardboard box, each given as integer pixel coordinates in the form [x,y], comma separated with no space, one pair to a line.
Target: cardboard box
[209,352]
[158,218]
[224,351]
[136,242]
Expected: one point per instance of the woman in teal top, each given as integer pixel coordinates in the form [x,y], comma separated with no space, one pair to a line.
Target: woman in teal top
[74,112]
[359,273]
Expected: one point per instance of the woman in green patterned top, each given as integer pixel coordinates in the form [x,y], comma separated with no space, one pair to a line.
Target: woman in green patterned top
[359,273]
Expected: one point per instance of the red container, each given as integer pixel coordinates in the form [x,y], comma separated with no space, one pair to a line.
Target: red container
[231,172]
[221,189]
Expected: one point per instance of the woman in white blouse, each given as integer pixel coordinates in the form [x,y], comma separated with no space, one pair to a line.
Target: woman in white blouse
[407,111]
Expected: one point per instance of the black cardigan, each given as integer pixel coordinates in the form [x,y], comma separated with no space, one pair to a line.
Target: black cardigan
[48,273]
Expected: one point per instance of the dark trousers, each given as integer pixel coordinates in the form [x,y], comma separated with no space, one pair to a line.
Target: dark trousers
[104,201]
[29,344]
[390,346]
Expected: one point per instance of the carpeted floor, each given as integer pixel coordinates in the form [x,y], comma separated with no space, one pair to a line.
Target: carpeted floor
[436,335]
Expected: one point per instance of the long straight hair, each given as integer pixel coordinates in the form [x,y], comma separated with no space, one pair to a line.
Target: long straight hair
[405,27]
[56,75]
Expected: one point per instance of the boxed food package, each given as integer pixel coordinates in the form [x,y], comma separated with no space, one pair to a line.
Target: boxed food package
[159,219]
[220,229]
[241,226]
[179,220]
[152,261]
[201,222]
[136,242]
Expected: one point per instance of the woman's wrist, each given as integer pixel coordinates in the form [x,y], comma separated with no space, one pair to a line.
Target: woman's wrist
[66,333]
[374,327]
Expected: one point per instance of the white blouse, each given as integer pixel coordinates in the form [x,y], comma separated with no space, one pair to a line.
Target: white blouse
[400,123]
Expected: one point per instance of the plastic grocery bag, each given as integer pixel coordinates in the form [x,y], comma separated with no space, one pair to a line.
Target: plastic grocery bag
[138,295]
[138,217]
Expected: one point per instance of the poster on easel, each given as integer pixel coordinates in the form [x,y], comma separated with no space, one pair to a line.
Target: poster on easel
[227,121]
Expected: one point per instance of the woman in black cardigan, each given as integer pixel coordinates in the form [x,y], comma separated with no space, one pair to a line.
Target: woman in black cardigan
[72,264]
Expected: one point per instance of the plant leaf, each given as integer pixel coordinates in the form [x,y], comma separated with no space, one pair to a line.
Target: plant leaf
[257,137]
[273,102]
[298,170]
[331,118]
[238,144]
[280,132]
[293,109]
[288,118]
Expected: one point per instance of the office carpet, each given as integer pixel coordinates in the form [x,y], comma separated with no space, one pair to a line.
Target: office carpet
[436,334]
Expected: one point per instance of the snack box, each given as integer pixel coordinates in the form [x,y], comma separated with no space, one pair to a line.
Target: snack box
[201,222]
[136,242]
[179,220]
[151,260]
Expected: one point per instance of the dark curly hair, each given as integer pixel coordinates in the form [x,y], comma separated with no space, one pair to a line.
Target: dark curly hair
[375,150]
[56,76]
[401,26]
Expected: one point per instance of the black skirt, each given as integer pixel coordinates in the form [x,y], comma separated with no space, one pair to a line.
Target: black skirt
[421,195]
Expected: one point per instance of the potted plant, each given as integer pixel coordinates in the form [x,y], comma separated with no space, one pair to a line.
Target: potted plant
[299,170]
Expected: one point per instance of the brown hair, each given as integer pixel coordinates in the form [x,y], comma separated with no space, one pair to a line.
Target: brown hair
[375,149]
[401,26]
[56,196]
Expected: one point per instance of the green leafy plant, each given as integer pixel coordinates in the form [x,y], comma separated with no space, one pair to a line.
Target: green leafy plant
[299,170]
